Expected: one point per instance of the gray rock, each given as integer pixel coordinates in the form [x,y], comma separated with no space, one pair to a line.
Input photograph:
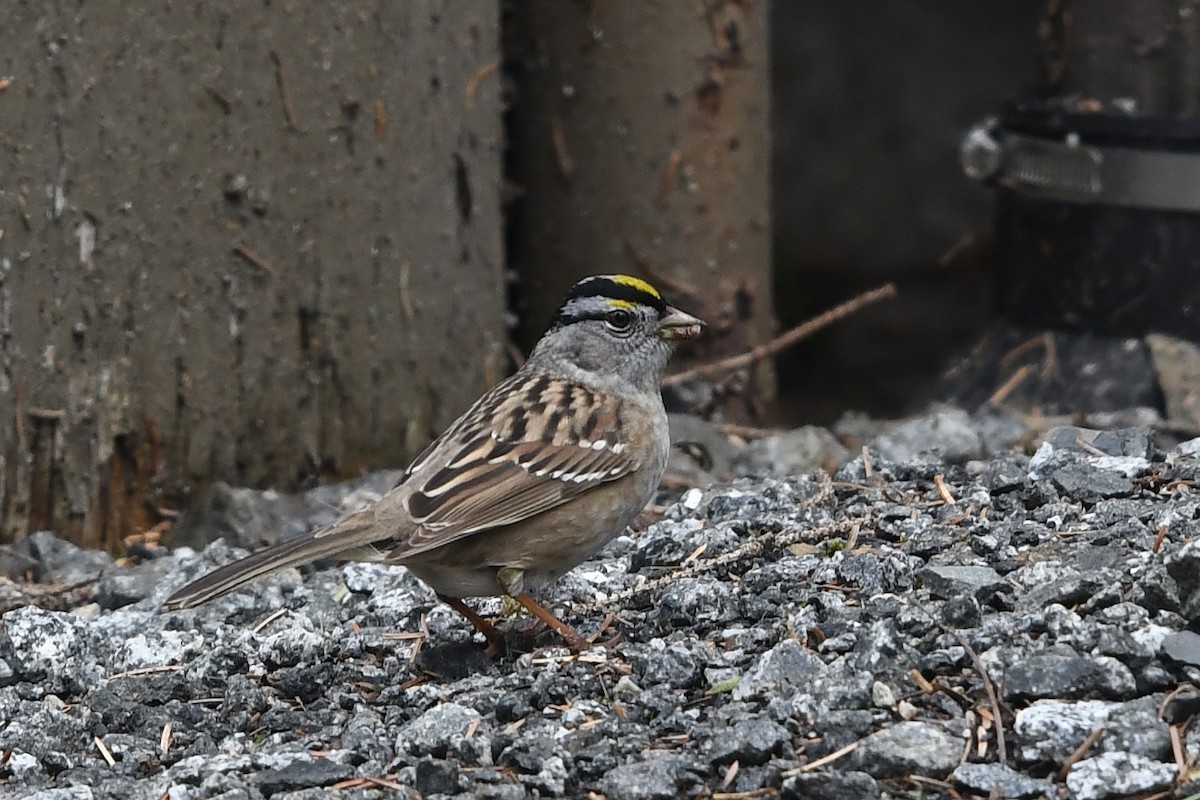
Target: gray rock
[244,518]
[65,793]
[1131,442]
[1046,675]
[1136,727]
[8,675]
[121,586]
[659,776]
[497,791]
[1071,589]
[953,581]
[1182,647]
[1006,473]
[794,452]
[48,559]
[750,742]
[366,737]
[875,573]
[1184,567]
[301,774]
[784,669]
[841,688]
[1184,703]
[830,786]
[437,730]
[57,650]
[156,648]
[550,779]
[882,695]
[696,603]
[838,728]
[700,454]
[1048,732]
[25,768]
[436,776]
[962,612]
[1118,774]
[999,780]
[298,644]
[948,432]
[908,748]
[674,664]
[1088,484]
[1002,431]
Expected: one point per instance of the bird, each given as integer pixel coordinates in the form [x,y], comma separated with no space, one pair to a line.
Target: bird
[536,477]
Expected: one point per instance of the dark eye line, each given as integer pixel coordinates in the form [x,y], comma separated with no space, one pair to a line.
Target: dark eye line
[598,316]
[619,317]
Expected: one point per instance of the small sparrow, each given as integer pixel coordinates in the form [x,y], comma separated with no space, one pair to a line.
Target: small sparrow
[536,477]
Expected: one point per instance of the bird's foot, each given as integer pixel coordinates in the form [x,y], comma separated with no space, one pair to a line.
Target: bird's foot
[570,637]
[495,637]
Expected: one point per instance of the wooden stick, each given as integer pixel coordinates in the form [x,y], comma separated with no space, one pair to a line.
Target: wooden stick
[1014,380]
[253,258]
[285,94]
[566,164]
[786,340]
[1081,751]
[474,81]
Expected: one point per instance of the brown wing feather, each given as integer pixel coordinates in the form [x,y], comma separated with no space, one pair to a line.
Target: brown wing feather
[511,460]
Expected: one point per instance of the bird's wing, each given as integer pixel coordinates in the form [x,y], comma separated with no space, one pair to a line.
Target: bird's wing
[513,456]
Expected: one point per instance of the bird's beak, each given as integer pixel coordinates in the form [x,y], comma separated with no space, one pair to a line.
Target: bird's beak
[676,325]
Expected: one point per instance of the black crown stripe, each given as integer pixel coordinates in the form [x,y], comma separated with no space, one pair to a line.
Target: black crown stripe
[606,287]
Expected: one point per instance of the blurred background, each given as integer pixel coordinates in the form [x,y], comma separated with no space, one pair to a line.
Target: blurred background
[870,104]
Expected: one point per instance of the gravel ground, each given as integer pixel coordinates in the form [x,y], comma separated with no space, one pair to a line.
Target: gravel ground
[1004,617]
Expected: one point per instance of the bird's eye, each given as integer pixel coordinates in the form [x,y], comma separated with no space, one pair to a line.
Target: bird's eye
[619,320]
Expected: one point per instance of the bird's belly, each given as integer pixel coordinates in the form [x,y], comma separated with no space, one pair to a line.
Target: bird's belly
[545,547]
[457,581]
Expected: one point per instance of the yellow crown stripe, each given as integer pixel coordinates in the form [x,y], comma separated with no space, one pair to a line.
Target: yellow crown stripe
[615,303]
[636,283]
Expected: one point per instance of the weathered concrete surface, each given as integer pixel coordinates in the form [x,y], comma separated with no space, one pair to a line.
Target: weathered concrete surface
[641,141]
[255,243]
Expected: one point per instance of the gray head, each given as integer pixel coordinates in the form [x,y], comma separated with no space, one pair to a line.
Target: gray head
[618,327]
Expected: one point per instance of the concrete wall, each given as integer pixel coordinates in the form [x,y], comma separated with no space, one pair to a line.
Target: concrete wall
[255,242]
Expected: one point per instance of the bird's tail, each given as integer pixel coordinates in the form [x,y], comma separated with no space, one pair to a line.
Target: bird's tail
[349,536]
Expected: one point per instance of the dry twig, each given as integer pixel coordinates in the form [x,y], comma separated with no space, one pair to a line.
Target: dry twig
[406,303]
[474,81]
[1006,388]
[285,94]
[270,618]
[950,791]
[746,431]
[566,164]
[104,751]
[823,760]
[1080,751]
[380,119]
[1179,751]
[993,697]
[943,490]
[784,341]
[254,259]
[667,181]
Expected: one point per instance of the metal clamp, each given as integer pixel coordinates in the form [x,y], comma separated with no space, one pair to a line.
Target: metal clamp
[1067,169]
